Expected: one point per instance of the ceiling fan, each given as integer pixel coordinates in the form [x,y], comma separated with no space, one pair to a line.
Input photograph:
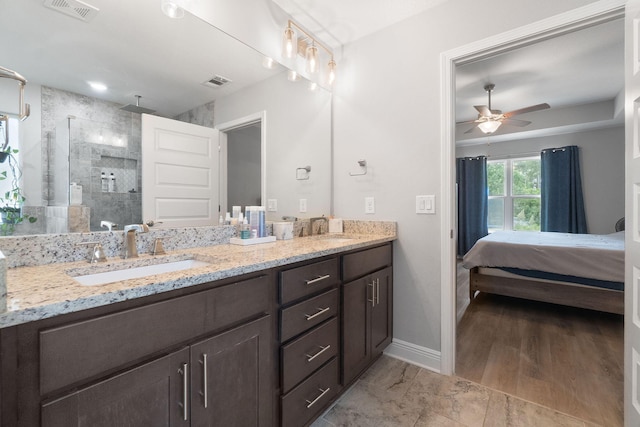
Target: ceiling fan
[489,120]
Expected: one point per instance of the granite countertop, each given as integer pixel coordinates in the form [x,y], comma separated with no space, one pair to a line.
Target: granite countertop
[40,292]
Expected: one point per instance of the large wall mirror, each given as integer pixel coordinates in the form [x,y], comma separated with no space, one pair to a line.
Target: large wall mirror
[182,69]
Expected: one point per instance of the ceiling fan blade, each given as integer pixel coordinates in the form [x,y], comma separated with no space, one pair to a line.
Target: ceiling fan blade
[465,122]
[516,122]
[483,110]
[527,110]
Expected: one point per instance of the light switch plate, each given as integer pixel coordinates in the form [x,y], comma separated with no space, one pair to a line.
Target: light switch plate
[369,205]
[303,205]
[426,204]
[272,205]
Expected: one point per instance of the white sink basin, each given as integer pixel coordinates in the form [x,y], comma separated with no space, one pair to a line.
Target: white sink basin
[137,272]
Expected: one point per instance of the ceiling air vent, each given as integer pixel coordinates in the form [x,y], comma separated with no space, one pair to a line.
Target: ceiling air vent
[74,8]
[216,81]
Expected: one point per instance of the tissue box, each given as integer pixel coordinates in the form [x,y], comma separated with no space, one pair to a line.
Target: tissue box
[335,225]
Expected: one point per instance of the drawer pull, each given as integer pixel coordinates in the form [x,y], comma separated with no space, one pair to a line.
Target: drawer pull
[185,391]
[205,386]
[378,291]
[320,311]
[317,279]
[323,349]
[310,403]
[373,294]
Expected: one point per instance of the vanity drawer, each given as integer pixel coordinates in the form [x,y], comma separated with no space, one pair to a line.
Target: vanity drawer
[364,262]
[301,281]
[306,354]
[309,313]
[72,353]
[311,397]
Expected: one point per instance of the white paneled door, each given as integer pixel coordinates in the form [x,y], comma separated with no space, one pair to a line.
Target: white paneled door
[632,215]
[180,164]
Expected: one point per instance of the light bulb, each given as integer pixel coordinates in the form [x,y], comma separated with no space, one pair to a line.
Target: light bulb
[490,126]
[289,43]
[268,63]
[312,58]
[292,76]
[171,9]
[331,72]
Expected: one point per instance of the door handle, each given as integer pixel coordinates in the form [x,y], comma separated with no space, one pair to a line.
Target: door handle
[378,291]
[185,391]
[205,385]
[373,294]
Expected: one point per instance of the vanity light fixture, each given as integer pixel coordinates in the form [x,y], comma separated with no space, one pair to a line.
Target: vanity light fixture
[268,63]
[172,9]
[490,126]
[292,76]
[306,45]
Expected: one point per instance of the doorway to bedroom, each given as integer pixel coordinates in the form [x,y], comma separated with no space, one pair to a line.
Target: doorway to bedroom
[569,359]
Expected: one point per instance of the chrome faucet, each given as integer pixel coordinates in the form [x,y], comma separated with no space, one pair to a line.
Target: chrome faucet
[109,225]
[130,248]
[313,221]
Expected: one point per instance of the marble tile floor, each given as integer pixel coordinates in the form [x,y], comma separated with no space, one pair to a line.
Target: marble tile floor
[396,393]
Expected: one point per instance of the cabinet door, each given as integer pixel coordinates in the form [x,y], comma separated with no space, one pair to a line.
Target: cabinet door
[233,377]
[356,302]
[381,311]
[153,394]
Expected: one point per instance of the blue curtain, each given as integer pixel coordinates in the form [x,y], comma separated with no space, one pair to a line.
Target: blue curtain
[471,178]
[562,205]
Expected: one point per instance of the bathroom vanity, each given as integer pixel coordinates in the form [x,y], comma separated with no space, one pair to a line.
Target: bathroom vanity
[262,336]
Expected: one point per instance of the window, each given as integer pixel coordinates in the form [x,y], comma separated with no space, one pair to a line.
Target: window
[514,194]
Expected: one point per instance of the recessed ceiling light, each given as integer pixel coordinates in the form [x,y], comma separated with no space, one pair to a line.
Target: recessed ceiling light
[100,87]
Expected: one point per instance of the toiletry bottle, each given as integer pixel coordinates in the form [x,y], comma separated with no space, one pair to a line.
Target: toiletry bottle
[262,226]
[104,181]
[254,220]
[245,233]
[112,183]
[75,194]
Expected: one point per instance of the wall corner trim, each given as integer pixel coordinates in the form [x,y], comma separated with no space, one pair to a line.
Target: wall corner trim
[414,354]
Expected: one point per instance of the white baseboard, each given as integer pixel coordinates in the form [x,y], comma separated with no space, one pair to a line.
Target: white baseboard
[414,354]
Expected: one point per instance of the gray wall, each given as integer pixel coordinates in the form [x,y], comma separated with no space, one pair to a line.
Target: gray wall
[243,167]
[602,163]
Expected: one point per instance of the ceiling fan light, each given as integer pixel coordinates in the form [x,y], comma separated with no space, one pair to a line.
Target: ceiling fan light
[490,126]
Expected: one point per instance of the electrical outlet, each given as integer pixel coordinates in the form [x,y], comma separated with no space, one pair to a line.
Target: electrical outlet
[426,204]
[369,205]
[303,205]
[272,205]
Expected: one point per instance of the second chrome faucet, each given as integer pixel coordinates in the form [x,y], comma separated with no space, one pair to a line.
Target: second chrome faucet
[130,247]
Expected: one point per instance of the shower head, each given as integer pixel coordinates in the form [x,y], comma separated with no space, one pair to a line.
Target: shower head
[137,108]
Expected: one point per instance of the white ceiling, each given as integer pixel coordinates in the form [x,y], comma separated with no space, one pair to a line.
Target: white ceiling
[132,47]
[135,49]
[566,72]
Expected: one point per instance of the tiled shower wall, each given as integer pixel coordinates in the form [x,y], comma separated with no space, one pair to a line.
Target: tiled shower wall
[102,138]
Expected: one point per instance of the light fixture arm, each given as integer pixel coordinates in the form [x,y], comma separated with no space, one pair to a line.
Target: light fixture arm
[315,41]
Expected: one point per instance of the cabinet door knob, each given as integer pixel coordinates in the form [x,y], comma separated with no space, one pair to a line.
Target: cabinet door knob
[318,313]
[317,279]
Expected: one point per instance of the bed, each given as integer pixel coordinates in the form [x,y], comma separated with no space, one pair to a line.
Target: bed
[578,270]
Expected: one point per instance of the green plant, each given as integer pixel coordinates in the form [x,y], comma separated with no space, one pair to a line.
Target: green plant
[13,200]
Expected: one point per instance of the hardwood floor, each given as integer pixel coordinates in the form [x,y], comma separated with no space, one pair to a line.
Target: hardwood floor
[567,359]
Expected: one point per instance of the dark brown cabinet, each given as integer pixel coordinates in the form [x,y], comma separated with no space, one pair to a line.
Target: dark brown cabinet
[367,307]
[222,381]
[232,378]
[150,395]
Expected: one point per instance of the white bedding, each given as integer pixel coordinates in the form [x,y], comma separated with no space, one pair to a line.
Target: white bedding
[593,256]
